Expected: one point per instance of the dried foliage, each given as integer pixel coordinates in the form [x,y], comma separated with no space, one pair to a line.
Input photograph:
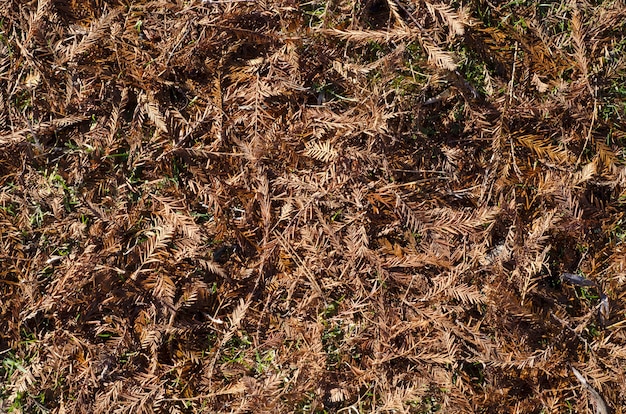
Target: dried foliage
[277,206]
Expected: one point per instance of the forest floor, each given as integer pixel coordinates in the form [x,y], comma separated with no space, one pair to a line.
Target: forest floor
[348,206]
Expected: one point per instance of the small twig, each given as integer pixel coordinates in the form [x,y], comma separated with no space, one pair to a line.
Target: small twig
[418,171]
[299,260]
[227,1]
[588,137]
[26,259]
[512,81]
[577,280]
[38,404]
[595,396]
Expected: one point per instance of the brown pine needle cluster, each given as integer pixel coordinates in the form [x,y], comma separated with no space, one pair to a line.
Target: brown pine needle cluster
[387,206]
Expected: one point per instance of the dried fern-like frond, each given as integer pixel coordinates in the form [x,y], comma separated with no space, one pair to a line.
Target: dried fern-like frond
[466,294]
[162,287]
[363,36]
[439,57]
[157,241]
[416,261]
[175,213]
[448,286]
[453,222]
[140,140]
[456,22]
[94,35]
[395,12]
[585,174]
[212,267]
[411,220]
[580,49]
[543,148]
[151,108]
[357,241]
[238,313]
[321,151]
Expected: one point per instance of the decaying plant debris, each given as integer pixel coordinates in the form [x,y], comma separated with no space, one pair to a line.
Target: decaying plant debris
[342,206]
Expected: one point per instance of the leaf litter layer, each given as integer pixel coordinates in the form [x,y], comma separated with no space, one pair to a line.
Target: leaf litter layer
[346,206]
